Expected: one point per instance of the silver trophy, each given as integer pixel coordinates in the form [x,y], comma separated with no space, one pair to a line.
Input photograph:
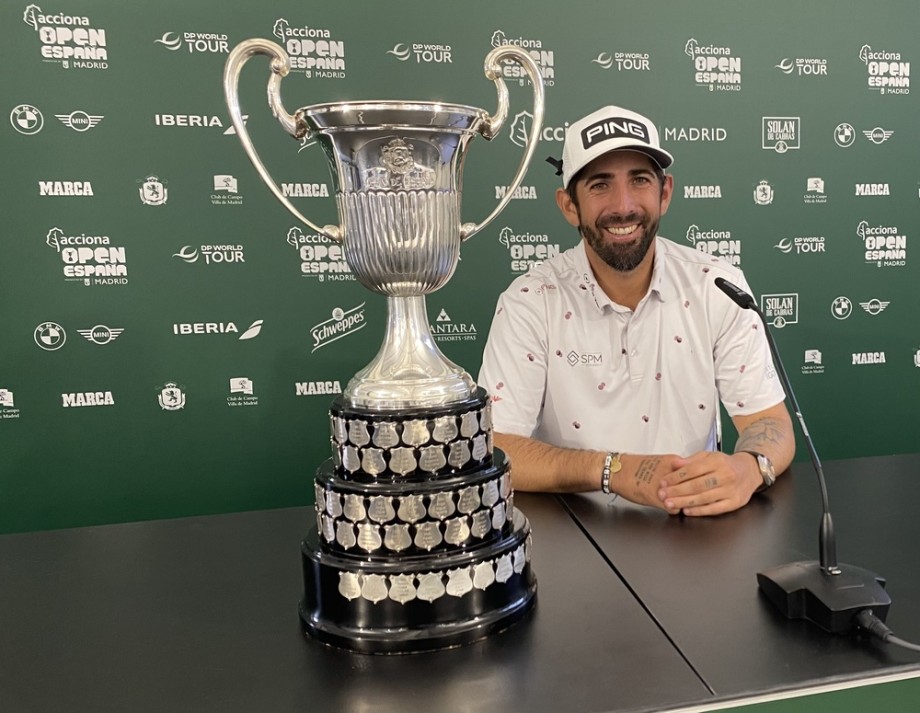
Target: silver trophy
[396,169]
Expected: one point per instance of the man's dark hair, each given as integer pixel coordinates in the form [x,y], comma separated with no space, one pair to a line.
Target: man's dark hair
[570,189]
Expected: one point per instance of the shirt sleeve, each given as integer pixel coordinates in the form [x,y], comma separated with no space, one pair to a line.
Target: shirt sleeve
[514,361]
[745,374]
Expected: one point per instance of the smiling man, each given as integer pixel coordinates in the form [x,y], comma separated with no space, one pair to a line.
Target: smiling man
[607,364]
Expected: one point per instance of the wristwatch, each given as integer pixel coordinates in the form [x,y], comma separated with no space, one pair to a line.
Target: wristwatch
[767,472]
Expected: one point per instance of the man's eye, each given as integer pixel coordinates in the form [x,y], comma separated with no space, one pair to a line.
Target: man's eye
[599,186]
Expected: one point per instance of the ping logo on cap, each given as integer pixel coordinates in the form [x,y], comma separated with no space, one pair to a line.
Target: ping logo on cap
[616,128]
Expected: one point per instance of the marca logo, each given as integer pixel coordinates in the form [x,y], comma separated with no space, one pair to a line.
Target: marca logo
[520,193]
[520,130]
[79,120]
[212,254]
[317,388]
[241,393]
[715,242]
[780,309]
[801,244]
[320,257]
[445,329]
[153,191]
[702,192]
[422,53]
[803,67]
[312,50]
[714,67]
[874,306]
[187,328]
[763,193]
[544,58]
[814,191]
[780,133]
[888,74]
[305,190]
[201,121]
[195,42]
[90,259]
[624,61]
[885,245]
[68,39]
[78,189]
[100,334]
[873,189]
[694,134]
[342,324]
[527,249]
[87,398]
[27,119]
[868,357]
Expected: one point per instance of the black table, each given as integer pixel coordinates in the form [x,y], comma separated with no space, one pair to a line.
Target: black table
[200,614]
[696,577]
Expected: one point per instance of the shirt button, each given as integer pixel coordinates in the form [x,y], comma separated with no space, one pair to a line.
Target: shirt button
[623,351]
[634,352]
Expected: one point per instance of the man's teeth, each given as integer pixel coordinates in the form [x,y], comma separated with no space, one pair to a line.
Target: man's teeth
[625,230]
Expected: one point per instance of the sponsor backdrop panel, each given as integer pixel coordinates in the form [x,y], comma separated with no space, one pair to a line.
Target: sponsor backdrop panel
[171,337]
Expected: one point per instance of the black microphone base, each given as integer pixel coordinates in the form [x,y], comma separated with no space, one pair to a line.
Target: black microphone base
[802,590]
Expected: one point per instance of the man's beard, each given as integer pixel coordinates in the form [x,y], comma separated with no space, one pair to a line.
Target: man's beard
[622,258]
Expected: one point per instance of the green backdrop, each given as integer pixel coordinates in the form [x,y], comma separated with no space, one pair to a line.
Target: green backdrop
[146,267]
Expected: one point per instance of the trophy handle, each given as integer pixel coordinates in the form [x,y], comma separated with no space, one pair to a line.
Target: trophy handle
[293,124]
[493,124]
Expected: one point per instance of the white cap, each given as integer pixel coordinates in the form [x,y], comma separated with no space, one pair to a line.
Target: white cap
[611,128]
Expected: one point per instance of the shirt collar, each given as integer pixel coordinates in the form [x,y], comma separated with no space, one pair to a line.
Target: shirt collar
[660,285]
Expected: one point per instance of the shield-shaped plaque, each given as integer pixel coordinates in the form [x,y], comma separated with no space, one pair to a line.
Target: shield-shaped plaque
[402,460]
[499,516]
[358,433]
[320,493]
[381,509]
[483,575]
[336,455]
[415,433]
[459,454]
[469,424]
[411,508]
[504,568]
[459,582]
[354,507]
[397,537]
[506,485]
[339,433]
[349,587]
[334,504]
[482,524]
[442,505]
[351,461]
[480,447]
[385,434]
[485,418]
[430,586]
[469,499]
[445,429]
[402,588]
[328,528]
[374,587]
[519,559]
[456,530]
[345,534]
[372,461]
[431,459]
[369,537]
[490,493]
[428,535]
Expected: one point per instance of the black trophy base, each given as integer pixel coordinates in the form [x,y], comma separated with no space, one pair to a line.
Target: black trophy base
[802,590]
[420,603]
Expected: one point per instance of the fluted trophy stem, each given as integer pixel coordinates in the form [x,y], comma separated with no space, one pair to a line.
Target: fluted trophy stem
[409,370]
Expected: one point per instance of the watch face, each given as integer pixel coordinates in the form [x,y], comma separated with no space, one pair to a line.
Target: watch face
[766,469]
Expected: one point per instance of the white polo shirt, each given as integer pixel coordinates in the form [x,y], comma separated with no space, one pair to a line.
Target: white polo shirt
[567,366]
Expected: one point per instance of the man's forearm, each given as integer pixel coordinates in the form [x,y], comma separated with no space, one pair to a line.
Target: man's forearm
[770,435]
[540,467]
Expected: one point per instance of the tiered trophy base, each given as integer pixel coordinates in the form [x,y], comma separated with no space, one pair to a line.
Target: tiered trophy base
[417,603]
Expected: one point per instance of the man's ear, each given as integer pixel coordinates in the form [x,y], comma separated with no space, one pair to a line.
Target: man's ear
[567,207]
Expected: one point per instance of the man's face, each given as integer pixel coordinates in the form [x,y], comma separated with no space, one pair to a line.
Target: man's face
[620,204]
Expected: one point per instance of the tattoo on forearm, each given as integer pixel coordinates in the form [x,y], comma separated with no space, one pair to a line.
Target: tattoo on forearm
[646,470]
[759,433]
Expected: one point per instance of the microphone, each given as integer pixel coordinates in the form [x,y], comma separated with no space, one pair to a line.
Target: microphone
[824,592]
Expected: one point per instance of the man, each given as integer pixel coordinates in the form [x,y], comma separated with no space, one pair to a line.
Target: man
[606,364]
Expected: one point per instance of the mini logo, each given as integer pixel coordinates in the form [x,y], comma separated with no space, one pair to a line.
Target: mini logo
[79,120]
[763,193]
[342,324]
[813,362]
[446,330]
[527,249]
[715,242]
[844,135]
[780,309]
[874,306]
[878,135]
[841,307]
[50,336]
[27,119]
[780,133]
[241,392]
[100,334]
[171,397]
[153,191]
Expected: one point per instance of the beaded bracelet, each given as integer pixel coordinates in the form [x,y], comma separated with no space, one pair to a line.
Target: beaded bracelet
[611,465]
